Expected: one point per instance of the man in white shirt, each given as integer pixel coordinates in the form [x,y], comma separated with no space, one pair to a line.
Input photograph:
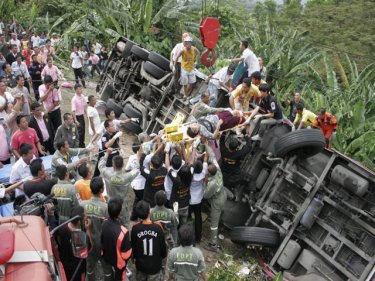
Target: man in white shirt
[54,40]
[94,119]
[76,60]
[97,47]
[248,58]
[21,170]
[15,41]
[98,50]
[173,57]
[2,26]
[220,80]
[35,40]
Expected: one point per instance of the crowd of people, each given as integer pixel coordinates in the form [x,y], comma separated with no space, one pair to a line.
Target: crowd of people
[169,180]
[245,82]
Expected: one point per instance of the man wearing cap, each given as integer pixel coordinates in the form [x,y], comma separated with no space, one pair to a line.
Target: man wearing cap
[189,55]
[176,63]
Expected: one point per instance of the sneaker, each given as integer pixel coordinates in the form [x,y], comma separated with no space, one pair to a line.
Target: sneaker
[256,138]
[212,247]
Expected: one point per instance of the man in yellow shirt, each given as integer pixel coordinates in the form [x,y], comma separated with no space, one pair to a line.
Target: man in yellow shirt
[307,117]
[189,55]
[240,98]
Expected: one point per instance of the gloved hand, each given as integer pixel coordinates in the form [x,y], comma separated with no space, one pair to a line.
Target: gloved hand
[27,179]
[171,66]
[167,147]
[333,135]
[175,207]
[118,134]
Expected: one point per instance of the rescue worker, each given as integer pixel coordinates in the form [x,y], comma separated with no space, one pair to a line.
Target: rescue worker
[215,193]
[186,262]
[201,108]
[256,81]
[118,181]
[327,123]
[115,243]
[232,153]
[65,193]
[64,154]
[166,217]
[269,111]
[148,245]
[190,55]
[240,98]
[220,80]
[306,117]
[67,131]
[154,178]
[292,105]
[175,64]
[96,211]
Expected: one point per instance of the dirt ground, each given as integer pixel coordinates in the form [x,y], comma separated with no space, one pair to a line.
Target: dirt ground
[126,142]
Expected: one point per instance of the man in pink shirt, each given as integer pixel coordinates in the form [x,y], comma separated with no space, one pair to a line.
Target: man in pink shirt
[50,95]
[79,105]
[94,60]
[51,70]
[25,135]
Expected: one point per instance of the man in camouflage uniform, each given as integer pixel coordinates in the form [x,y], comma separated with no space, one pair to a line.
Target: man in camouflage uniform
[64,154]
[166,217]
[96,210]
[202,109]
[186,262]
[215,193]
[118,182]
[65,193]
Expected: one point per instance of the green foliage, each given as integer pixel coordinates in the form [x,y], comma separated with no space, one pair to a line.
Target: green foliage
[228,269]
[278,277]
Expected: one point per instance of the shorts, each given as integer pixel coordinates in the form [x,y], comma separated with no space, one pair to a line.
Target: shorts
[187,77]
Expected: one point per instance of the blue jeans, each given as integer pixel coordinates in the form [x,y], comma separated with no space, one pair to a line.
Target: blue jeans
[213,92]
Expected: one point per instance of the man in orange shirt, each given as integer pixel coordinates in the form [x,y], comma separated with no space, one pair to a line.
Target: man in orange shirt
[83,185]
[327,123]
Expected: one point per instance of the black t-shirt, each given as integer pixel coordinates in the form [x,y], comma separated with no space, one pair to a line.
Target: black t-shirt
[147,239]
[115,241]
[33,69]
[179,193]
[154,182]
[39,185]
[231,160]
[293,109]
[269,104]
[106,138]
